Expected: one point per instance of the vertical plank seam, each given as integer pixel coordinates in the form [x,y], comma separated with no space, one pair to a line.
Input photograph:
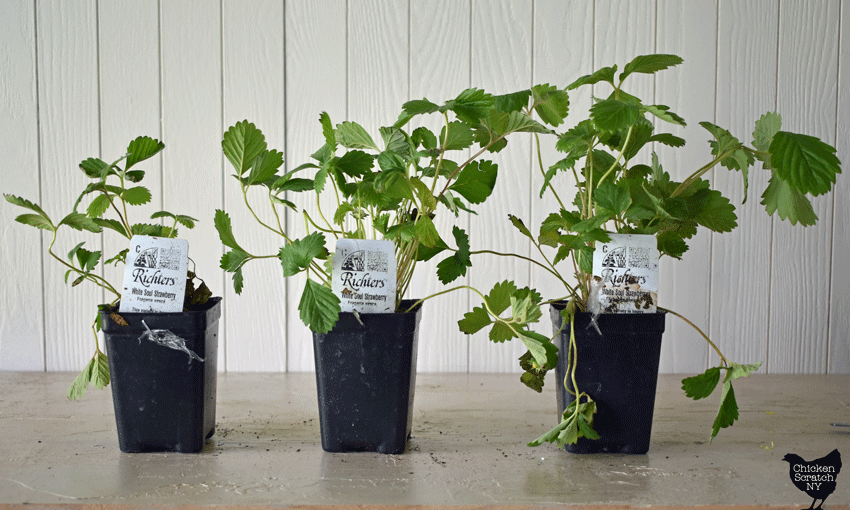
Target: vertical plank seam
[286,212]
[161,121]
[468,277]
[222,281]
[711,260]
[40,196]
[772,222]
[530,210]
[834,140]
[99,85]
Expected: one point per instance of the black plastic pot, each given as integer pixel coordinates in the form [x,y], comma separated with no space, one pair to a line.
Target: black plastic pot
[164,385]
[365,378]
[619,370]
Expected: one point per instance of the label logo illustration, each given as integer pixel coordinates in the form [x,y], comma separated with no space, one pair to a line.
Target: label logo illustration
[817,477]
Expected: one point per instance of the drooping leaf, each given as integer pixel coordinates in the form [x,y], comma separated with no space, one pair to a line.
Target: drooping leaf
[319,307]
[807,164]
[35,220]
[718,214]
[512,102]
[519,225]
[79,221]
[452,268]
[242,143]
[186,221]
[225,230]
[93,167]
[791,205]
[701,386]
[728,412]
[663,112]
[95,372]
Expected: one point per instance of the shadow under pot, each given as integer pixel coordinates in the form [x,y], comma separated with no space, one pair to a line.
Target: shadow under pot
[618,369]
[365,379]
[163,369]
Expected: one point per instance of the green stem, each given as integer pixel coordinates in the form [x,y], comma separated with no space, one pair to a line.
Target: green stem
[716,349]
[543,172]
[696,175]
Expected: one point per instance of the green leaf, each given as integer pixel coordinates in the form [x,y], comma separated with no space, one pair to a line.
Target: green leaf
[242,143]
[225,230]
[512,102]
[728,412]
[718,213]
[136,196]
[804,162]
[604,74]
[353,136]
[264,167]
[238,281]
[736,370]
[499,298]
[459,136]
[328,130]
[474,321]
[454,267]
[98,206]
[663,112]
[701,386]
[112,225]
[297,255]
[37,221]
[519,225]
[186,221]
[233,260]
[424,137]
[612,197]
[95,372]
[611,115]
[141,149]
[476,182]
[471,105]
[134,175]
[668,140]
[93,167]
[550,103]
[419,107]
[766,128]
[79,221]
[545,353]
[396,140]
[355,163]
[427,232]
[319,307]
[790,203]
[648,64]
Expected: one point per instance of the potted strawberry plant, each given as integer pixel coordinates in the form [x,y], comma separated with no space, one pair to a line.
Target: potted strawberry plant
[609,361]
[162,365]
[389,191]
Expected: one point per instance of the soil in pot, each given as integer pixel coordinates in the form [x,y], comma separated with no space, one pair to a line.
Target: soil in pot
[365,379]
[619,370]
[163,376]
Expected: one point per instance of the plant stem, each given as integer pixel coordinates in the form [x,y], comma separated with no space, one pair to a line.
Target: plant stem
[543,172]
[696,175]
[716,349]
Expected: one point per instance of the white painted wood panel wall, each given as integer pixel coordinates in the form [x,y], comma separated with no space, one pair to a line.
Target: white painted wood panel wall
[82,78]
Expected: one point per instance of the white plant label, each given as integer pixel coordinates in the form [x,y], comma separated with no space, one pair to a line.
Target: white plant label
[364,275]
[625,271]
[155,275]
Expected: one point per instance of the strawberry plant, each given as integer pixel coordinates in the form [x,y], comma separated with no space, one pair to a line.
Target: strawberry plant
[618,193]
[113,190]
[392,190]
